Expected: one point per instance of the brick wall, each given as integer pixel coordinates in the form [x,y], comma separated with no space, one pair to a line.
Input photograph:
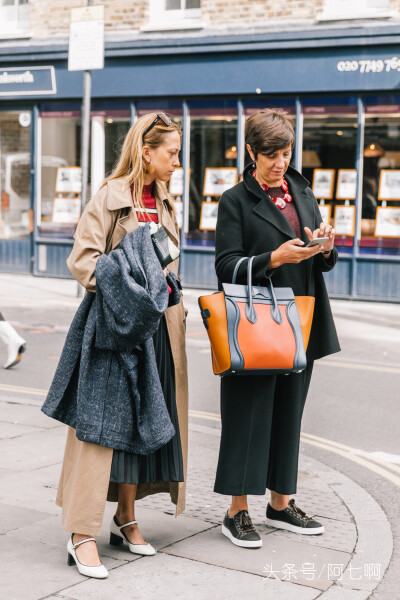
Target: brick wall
[51,18]
[221,13]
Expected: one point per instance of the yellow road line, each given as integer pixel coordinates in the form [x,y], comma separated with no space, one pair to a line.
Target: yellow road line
[22,390]
[356,451]
[350,365]
[205,415]
[358,459]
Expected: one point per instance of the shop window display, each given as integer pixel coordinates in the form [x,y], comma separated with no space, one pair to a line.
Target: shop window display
[60,181]
[329,162]
[15,159]
[380,223]
[213,166]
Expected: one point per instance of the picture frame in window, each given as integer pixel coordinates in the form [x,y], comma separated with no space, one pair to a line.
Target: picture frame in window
[345,220]
[326,211]
[346,187]
[389,185]
[387,224]
[218,180]
[66,211]
[68,180]
[208,216]
[178,205]
[323,182]
[176,182]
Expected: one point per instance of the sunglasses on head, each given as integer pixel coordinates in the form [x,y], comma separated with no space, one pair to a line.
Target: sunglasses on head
[160,117]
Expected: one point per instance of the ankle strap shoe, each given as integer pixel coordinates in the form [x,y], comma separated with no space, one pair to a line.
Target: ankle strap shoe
[99,572]
[117,537]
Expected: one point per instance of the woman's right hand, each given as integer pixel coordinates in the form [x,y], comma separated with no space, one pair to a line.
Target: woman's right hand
[292,252]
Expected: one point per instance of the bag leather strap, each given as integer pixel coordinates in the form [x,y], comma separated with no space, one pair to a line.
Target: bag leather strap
[235,272]
[250,312]
[275,312]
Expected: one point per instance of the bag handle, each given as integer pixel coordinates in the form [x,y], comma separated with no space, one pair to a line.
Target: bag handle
[275,312]
[236,269]
[250,312]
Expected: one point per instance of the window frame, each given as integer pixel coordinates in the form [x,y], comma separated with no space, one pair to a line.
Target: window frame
[332,12]
[162,19]
[15,27]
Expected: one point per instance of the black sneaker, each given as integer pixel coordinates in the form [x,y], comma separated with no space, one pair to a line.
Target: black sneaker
[240,530]
[294,519]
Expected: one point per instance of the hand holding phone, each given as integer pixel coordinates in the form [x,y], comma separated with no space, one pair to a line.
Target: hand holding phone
[318,242]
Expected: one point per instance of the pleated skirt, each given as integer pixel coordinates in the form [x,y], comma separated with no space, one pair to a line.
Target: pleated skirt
[166,464]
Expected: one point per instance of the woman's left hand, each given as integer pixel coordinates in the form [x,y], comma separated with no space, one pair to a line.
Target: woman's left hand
[324,230]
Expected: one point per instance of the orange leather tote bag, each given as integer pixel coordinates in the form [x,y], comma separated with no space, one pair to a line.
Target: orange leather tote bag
[257,330]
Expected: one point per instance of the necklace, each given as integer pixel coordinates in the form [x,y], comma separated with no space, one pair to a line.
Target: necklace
[279,202]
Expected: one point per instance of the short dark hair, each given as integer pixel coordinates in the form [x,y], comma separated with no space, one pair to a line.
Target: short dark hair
[269,130]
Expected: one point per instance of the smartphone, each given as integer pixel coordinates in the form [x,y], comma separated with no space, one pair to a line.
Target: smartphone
[318,242]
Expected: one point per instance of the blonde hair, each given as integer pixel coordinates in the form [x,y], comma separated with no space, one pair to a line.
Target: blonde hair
[131,163]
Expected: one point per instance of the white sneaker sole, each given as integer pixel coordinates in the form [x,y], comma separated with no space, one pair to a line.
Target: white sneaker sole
[294,528]
[241,543]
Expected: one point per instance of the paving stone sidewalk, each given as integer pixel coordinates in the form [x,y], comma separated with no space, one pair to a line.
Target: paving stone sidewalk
[194,561]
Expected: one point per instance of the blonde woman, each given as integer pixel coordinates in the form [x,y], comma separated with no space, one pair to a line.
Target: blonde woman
[134,194]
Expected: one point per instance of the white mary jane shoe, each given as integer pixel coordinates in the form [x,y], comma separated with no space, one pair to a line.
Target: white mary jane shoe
[117,538]
[99,572]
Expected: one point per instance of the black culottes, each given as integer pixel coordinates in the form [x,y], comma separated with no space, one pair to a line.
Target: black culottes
[260,437]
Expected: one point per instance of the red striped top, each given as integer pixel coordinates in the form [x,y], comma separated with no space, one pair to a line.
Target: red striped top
[149,202]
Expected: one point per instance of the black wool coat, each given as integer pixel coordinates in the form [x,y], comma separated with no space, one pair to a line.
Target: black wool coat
[249,224]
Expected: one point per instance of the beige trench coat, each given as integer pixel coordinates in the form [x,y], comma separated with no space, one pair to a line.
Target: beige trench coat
[84,483]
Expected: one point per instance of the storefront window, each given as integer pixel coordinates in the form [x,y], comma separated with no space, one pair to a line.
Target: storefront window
[15,159]
[380,217]
[329,162]
[109,128]
[60,182]
[213,166]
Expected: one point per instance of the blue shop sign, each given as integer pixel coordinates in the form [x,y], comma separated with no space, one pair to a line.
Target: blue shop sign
[27,81]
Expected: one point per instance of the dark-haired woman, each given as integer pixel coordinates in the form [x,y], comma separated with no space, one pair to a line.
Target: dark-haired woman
[92,473]
[271,215]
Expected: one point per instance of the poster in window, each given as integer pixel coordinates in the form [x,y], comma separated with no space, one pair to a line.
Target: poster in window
[387,222]
[179,213]
[322,185]
[176,182]
[389,184]
[69,180]
[345,220]
[208,216]
[325,210]
[346,188]
[217,181]
[66,211]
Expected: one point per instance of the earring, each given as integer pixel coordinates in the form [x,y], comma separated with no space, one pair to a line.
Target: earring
[149,169]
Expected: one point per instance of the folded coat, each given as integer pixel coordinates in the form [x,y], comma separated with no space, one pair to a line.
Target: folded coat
[106,385]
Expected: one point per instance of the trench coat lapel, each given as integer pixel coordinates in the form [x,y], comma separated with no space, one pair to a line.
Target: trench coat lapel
[164,210]
[120,200]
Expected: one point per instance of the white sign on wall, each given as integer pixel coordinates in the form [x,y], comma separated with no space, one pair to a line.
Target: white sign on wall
[86,39]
